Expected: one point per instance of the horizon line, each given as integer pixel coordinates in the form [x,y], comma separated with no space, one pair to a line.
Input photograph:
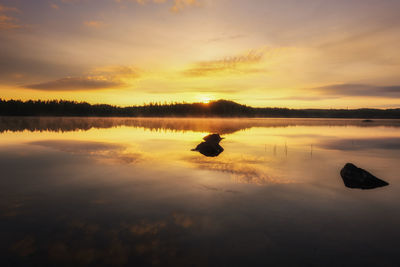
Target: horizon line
[192,103]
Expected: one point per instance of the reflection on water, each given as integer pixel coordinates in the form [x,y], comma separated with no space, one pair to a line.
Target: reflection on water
[103,191]
[209,125]
[210,147]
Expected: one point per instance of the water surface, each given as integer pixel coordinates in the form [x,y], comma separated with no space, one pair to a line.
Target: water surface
[118,191]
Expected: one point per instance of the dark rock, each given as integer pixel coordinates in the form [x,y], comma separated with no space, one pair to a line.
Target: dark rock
[354,177]
[367,121]
[213,138]
[211,147]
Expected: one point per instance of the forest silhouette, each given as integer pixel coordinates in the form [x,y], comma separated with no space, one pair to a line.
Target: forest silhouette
[219,108]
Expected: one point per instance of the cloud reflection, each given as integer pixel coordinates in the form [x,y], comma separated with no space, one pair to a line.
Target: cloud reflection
[387,143]
[24,247]
[97,150]
[241,170]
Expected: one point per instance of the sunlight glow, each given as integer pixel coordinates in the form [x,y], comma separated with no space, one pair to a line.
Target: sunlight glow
[205,99]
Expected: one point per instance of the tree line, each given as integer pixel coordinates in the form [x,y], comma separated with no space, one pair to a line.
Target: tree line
[220,108]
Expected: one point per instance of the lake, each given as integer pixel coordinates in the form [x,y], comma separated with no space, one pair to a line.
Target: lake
[122,191]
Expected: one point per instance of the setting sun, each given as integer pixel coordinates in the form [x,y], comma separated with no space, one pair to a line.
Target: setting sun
[205,99]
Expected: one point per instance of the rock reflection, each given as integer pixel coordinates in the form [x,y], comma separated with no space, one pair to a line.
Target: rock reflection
[210,147]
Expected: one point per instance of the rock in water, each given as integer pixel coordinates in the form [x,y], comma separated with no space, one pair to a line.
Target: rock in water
[354,177]
[213,138]
[211,147]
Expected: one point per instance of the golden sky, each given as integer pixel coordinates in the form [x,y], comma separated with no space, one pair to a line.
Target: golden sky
[281,53]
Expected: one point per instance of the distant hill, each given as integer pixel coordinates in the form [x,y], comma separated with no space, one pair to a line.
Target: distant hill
[220,108]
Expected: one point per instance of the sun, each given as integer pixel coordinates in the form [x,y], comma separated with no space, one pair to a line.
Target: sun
[205,99]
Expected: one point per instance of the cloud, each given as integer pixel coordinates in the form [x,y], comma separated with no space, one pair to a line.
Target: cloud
[71,1]
[6,9]
[302,98]
[54,6]
[8,22]
[366,90]
[94,24]
[142,2]
[180,5]
[117,72]
[18,65]
[99,78]
[74,84]
[226,38]
[242,64]
[177,5]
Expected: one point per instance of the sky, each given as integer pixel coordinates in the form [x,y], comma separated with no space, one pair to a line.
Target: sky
[263,53]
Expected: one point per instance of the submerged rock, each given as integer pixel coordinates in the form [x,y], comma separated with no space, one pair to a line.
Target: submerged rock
[211,147]
[354,177]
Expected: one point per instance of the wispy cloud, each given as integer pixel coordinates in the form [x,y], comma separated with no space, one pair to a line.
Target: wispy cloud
[8,22]
[350,89]
[94,24]
[176,5]
[242,64]
[74,84]
[226,38]
[54,6]
[180,5]
[303,98]
[99,78]
[6,9]
[71,1]
[142,2]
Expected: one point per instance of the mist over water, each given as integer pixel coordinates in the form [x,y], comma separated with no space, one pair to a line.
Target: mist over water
[105,191]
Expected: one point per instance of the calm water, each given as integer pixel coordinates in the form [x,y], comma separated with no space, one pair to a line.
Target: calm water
[131,192]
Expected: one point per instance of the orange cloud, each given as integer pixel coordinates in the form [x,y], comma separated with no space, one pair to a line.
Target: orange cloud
[6,9]
[365,90]
[177,5]
[117,72]
[237,64]
[100,78]
[8,22]
[54,6]
[94,23]
[74,83]
[142,2]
